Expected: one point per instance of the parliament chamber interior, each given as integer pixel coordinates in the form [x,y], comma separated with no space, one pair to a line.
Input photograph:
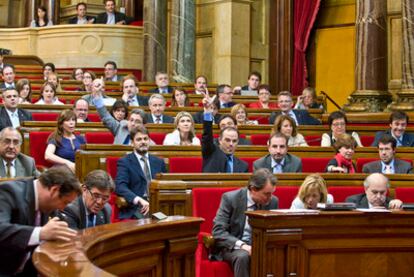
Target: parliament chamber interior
[207,138]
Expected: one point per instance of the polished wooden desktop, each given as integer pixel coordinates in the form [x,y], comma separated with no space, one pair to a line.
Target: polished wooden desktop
[332,244]
[135,248]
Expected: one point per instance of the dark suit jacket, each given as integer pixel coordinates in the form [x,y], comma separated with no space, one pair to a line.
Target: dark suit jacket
[25,167]
[5,119]
[361,200]
[214,160]
[303,117]
[199,117]
[75,215]
[17,219]
[131,182]
[103,17]
[229,105]
[230,218]
[142,100]
[400,167]
[292,163]
[408,139]
[3,86]
[242,141]
[74,20]
[165,118]
[155,90]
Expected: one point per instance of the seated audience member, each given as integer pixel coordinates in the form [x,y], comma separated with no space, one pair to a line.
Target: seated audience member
[301,117]
[398,123]
[239,112]
[227,120]
[219,158]
[130,90]
[342,162]
[77,74]
[278,160]
[81,109]
[376,187]
[91,208]
[87,81]
[48,68]
[120,129]
[10,115]
[264,99]
[54,79]
[156,104]
[63,142]
[12,162]
[41,18]
[8,75]
[48,95]
[134,174]
[199,116]
[231,230]
[24,89]
[111,71]
[225,96]
[307,100]
[200,84]
[183,133]
[253,82]
[98,91]
[286,125]
[25,206]
[119,110]
[179,98]
[162,81]
[312,191]
[388,164]
[337,123]
[81,17]
[110,16]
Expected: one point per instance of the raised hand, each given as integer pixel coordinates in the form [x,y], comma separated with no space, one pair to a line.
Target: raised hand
[208,102]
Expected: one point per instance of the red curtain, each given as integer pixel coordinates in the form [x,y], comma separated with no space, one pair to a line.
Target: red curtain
[304,15]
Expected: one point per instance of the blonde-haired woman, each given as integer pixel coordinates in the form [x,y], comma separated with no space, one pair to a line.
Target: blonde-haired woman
[312,191]
[239,112]
[286,125]
[184,133]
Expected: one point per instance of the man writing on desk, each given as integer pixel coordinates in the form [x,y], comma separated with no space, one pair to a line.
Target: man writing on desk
[231,230]
[24,209]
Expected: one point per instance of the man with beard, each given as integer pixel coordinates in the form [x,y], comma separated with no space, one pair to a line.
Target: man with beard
[12,162]
[398,124]
[91,208]
[135,172]
[278,160]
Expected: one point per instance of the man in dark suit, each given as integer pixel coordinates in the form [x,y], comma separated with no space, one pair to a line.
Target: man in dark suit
[8,75]
[162,81]
[10,115]
[376,186]
[225,96]
[227,120]
[25,206]
[81,17]
[110,16]
[135,172]
[110,72]
[231,230]
[12,162]
[388,163]
[219,158]
[285,103]
[91,208]
[156,104]
[131,92]
[398,123]
[278,160]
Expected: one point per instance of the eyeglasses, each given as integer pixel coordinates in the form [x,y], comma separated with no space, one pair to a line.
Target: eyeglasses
[340,124]
[96,196]
[14,142]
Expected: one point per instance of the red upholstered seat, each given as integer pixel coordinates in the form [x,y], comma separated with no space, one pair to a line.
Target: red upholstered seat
[45,116]
[249,161]
[99,137]
[94,117]
[111,166]
[313,140]
[367,140]
[186,164]
[286,195]
[314,164]
[341,193]
[261,119]
[259,139]
[38,145]
[158,138]
[406,195]
[115,210]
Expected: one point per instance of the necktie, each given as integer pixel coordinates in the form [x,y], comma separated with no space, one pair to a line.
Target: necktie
[8,169]
[146,172]
[387,169]
[229,164]
[127,139]
[399,141]
[91,220]
[158,119]
[277,168]
[38,218]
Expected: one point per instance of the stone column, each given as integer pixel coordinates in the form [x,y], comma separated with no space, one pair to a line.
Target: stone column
[30,10]
[155,38]
[53,10]
[372,93]
[182,41]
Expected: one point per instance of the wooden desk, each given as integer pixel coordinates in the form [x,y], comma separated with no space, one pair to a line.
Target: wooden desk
[332,244]
[144,248]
